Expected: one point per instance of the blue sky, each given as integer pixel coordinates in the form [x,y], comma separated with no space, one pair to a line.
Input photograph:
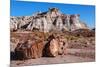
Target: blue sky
[22,8]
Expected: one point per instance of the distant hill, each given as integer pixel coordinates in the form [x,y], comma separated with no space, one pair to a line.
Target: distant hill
[52,20]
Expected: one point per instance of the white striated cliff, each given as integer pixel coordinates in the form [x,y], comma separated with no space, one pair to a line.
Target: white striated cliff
[47,21]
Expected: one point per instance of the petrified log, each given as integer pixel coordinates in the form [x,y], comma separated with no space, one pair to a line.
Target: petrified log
[29,49]
[62,46]
[20,51]
[51,48]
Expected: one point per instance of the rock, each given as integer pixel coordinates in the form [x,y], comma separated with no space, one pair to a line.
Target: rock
[76,23]
[29,50]
[13,24]
[62,46]
[51,47]
[47,21]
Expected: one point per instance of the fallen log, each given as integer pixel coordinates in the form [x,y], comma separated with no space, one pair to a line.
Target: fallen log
[63,43]
[29,50]
[51,47]
[62,48]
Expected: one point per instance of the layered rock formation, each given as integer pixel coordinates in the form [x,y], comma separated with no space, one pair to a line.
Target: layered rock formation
[52,20]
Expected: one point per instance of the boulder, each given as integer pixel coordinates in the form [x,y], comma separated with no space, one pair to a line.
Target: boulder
[62,46]
[51,47]
[29,49]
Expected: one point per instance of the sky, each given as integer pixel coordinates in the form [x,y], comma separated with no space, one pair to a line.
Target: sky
[22,8]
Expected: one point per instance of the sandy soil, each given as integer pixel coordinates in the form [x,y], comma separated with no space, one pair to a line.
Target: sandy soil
[69,58]
[56,60]
[81,52]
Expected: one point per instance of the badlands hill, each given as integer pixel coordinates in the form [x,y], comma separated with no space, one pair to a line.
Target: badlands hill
[52,20]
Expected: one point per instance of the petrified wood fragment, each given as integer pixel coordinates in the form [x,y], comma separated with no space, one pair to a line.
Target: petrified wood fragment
[29,49]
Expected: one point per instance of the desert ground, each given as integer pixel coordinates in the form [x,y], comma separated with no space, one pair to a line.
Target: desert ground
[79,49]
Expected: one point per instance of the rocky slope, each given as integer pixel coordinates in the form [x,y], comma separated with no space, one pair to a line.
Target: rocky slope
[48,21]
